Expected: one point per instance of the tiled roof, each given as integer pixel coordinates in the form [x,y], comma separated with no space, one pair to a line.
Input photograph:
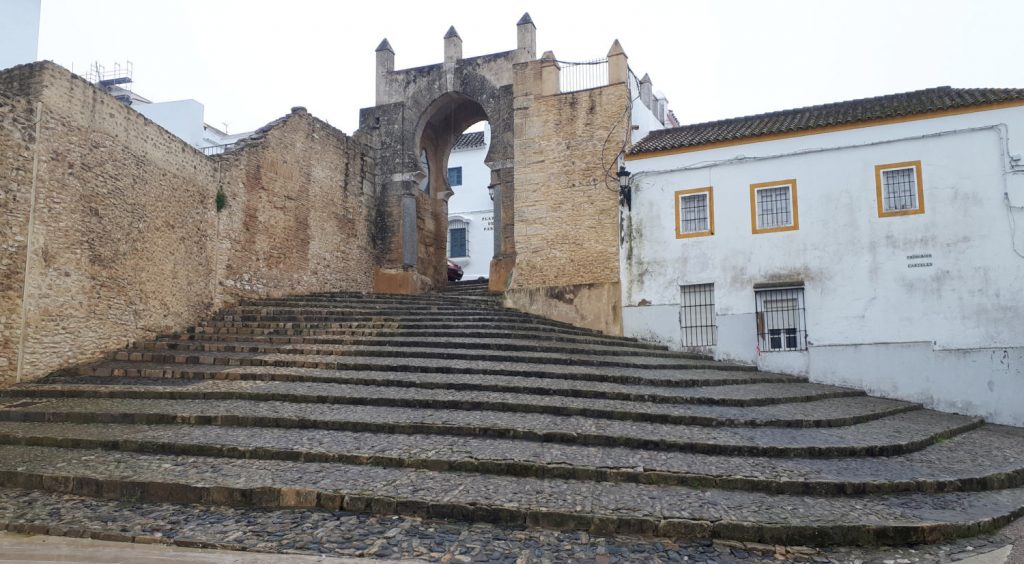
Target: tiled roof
[469,141]
[826,115]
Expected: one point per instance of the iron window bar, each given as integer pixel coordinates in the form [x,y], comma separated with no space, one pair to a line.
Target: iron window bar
[781,319]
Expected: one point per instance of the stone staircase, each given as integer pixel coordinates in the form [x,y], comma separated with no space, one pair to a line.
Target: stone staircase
[449,406]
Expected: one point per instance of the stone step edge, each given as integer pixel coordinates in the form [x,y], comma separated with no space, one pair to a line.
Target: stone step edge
[535,345]
[421,428]
[597,524]
[397,333]
[396,328]
[458,405]
[32,528]
[93,370]
[431,353]
[540,470]
[534,370]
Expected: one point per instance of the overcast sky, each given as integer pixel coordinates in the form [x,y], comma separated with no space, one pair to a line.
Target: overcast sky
[250,61]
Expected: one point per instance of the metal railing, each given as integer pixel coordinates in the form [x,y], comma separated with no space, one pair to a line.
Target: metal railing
[217,149]
[582,75]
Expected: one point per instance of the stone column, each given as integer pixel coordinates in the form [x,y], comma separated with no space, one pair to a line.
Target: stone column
[550,74]
[385,64]
[526,39]
[618,64]
[452,46]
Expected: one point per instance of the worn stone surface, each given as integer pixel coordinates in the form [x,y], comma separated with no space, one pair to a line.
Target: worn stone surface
[126,242]
[341,533]
[566,202]
[634,441]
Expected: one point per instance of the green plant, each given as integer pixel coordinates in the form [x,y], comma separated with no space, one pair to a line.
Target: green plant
[222,199]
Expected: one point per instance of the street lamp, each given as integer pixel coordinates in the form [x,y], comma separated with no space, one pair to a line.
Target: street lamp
[625,190]
[490,190]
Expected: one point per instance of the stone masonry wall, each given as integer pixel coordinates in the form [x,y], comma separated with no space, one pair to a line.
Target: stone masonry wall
[17,138]
[126,241]
[300,203]
[566,206]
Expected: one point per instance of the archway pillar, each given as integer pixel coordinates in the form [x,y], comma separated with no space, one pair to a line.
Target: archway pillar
[503,263]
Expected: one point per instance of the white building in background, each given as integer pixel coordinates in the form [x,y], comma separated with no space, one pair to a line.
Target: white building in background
[183,118]
[877,243]
[470,209]
[19,32]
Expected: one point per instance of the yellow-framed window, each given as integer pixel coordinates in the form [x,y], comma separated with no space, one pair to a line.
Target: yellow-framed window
[773,207]
[899,189]
[695,212]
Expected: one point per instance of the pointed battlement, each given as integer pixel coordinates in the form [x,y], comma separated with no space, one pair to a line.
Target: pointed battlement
[452,46]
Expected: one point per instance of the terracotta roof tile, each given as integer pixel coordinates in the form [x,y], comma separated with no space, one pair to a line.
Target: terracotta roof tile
[469,141]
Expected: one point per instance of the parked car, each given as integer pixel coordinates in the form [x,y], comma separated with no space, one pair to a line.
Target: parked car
[454,272]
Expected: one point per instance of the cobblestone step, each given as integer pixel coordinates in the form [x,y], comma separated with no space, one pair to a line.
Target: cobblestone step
[702,387]
[831,412]
[373,327]
[482,308]
[384,332]
[647,376]
[476,343]
[429,318]
[599,507]
[988,458]
[893,435]
[581,357]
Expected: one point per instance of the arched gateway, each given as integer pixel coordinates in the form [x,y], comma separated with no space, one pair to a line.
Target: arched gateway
[419,115]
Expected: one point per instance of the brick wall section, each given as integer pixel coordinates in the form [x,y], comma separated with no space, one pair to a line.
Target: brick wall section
[566,227]
[127,242]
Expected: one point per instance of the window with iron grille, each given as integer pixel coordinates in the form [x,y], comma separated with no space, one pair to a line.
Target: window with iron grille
[457,242]
[695,211]
[898,189]
[774,206]
[781,323]
[697,315]
[455,176]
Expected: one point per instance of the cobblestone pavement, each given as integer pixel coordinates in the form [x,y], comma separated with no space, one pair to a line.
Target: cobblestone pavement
[294,419]
[347,534]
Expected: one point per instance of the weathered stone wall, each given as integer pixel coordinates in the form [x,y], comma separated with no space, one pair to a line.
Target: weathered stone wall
[126,241]
[300,203]
[566,204]
[17,139]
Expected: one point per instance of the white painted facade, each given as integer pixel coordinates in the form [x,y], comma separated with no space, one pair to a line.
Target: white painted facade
[926,307]
[470,207]
[19,32]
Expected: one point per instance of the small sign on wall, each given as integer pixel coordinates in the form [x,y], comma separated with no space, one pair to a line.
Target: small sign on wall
[488,223]
[919,260]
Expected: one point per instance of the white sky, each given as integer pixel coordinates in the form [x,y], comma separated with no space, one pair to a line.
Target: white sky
[250,61]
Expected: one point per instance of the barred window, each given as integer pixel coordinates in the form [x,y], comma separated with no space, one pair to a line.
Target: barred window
[455,176]
[773,206]
[898,189]
[781,324]
[695,210]
[458,243]
[697,315]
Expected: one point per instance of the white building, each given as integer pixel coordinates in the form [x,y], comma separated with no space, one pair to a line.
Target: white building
[470,209]
[19,32]
[876,243]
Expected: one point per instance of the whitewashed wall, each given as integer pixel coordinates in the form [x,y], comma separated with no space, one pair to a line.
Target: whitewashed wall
[950,335]
[183,118]
[472,203]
